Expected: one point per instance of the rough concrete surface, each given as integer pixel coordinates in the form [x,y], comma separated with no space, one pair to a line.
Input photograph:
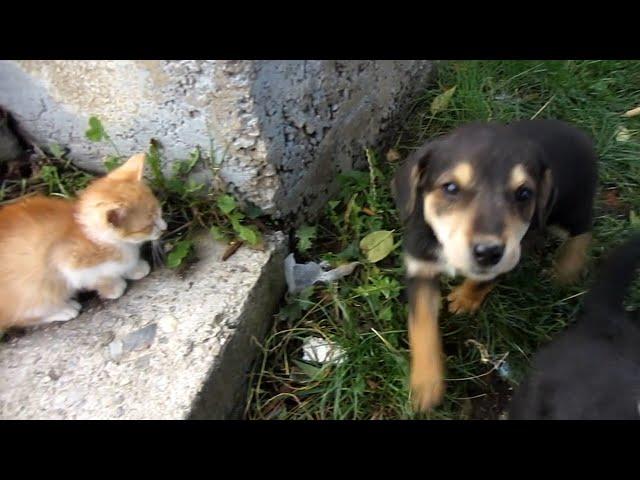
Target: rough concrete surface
[171,348]
[284,129]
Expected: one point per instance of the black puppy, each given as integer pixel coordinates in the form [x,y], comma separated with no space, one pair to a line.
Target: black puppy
[592,370]
[467,199]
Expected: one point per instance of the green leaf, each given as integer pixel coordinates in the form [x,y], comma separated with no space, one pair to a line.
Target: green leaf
[96,132]
[179,252]
[193,187]
[333,204]
[153,159]
[248,234]
[112,162]
[441,102]
[176,185]
[305,235]
[350,252]
[309,370]
[193,160]
[235,217]
[184,167]
[226,203]
[253,211]
[56,151]
[377,245]
[217,233]
[634,219]
[386,315]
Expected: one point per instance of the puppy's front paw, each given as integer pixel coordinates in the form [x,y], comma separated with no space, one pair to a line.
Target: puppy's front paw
[141,270]
[466,299]
[427,386]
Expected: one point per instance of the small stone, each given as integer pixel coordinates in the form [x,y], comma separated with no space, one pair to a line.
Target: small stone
[140,339]
[143,362]
[116,350]
[244,142]
[168,324]
[106,338]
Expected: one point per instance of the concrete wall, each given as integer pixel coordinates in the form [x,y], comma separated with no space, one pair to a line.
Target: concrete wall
[287,126]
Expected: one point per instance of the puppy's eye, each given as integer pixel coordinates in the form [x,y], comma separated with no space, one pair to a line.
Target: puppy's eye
[450,188]
[523,194]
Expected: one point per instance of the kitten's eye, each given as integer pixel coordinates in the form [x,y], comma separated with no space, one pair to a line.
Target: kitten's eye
[450,188]
[523,194]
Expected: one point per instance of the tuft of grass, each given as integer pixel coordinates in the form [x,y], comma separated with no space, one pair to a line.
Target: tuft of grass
[190,206]
[365,314]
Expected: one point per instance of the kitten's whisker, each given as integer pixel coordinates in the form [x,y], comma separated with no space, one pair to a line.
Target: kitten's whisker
[157,254]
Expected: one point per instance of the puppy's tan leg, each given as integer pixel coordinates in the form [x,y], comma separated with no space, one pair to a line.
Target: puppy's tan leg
[427,364]
[571,258]
[468,297]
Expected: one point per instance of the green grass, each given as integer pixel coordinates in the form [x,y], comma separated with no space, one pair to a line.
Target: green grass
[365,313]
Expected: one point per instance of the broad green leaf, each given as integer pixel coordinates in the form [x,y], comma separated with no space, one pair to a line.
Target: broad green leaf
[441,102]
[217,233]
[248,234]
[377,245]
[179,252]
[96,132]
[305,235]
[634,219]
[226,203]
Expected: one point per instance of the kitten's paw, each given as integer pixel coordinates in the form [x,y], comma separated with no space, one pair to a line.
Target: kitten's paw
[141,270]
[112,289]
[69,311]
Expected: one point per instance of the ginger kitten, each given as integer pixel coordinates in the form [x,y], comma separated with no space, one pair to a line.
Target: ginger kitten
[51,248]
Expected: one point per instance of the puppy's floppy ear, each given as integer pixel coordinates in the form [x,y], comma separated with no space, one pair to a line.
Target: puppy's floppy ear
[547,194]
[407,178]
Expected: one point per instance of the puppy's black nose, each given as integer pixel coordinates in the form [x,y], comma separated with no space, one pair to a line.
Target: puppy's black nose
[487,254]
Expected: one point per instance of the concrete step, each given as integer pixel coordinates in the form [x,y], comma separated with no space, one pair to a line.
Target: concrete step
[173,347]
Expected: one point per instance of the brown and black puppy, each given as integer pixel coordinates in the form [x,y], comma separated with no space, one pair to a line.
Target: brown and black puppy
[467,199]
[591,371]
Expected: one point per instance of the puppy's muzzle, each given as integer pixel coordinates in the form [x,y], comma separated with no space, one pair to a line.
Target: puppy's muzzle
[488,254]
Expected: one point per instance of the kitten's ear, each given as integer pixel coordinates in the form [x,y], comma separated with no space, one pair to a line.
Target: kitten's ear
[131,170]
[116,216]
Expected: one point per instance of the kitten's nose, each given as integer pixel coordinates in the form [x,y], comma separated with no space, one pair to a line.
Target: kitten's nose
[488,254]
